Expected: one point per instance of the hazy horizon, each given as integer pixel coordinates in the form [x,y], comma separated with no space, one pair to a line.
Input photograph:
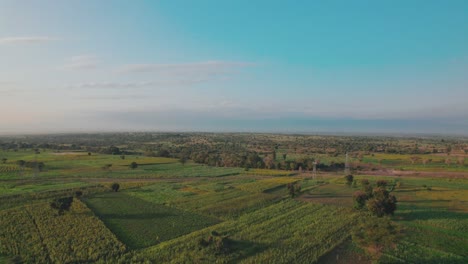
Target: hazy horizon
[394,67]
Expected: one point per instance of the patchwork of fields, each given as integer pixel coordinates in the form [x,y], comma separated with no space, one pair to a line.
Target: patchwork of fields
[166,211]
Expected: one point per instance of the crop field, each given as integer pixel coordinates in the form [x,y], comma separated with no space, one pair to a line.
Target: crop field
[278,233]
[81,165]
[139,223]
[195,206]
[37,233]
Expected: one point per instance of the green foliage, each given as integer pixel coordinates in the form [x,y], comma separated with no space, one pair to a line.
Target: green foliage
[349,179]
[115,187]
[62,204]
[377,200]
[360,199]
[382,183]
[133,165]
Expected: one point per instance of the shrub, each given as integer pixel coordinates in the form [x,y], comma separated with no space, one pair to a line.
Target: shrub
[62,204]
[133,165]
[349,179]
[115,187]
[78,194]
[382,183]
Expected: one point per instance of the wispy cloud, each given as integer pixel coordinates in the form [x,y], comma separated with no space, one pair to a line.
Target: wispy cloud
[195,67]
[161,75]
[114,97]
[82,62]
[162,83]
[111,85]
[26,40]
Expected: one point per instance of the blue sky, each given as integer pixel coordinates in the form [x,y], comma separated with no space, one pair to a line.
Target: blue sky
[276,66]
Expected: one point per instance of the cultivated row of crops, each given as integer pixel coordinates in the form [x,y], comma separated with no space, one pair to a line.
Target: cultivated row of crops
[139,223]
[38,234]
[285,232]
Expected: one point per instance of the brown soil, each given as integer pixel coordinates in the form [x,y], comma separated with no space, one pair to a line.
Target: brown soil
[426,174]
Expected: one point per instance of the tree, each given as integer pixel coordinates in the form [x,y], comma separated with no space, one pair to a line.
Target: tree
[349,179]
[111,150]
[78,194]
[284,156]
[382,202]
[360,199]
[115,187]
[4,160]
[163,153]
[133,165]
[89,153]
[377,200]
[122,157]
[62,204]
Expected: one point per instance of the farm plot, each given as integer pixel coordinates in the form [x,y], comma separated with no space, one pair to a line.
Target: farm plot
[139,223]
[433,236]
[37,234]
[285,232]
[216,198]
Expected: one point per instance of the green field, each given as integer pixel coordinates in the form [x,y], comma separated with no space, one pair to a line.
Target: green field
[139,223]
[168,211]
[36,234]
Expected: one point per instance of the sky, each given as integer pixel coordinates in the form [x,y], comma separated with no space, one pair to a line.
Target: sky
[262,66]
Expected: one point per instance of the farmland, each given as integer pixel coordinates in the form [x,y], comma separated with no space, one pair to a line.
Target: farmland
[124,215]
[185,202]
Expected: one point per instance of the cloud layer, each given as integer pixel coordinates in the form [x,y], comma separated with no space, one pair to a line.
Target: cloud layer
[82,62]
[26,40]
[195,67]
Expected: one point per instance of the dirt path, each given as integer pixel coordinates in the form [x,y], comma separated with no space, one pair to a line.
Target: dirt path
[426,174]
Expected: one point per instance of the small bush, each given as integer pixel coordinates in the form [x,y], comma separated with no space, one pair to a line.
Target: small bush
[62,204]
[115,187]
[349,179]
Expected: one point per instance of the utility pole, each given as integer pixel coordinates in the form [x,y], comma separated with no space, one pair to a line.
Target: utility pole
[36,169]
[314,171]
